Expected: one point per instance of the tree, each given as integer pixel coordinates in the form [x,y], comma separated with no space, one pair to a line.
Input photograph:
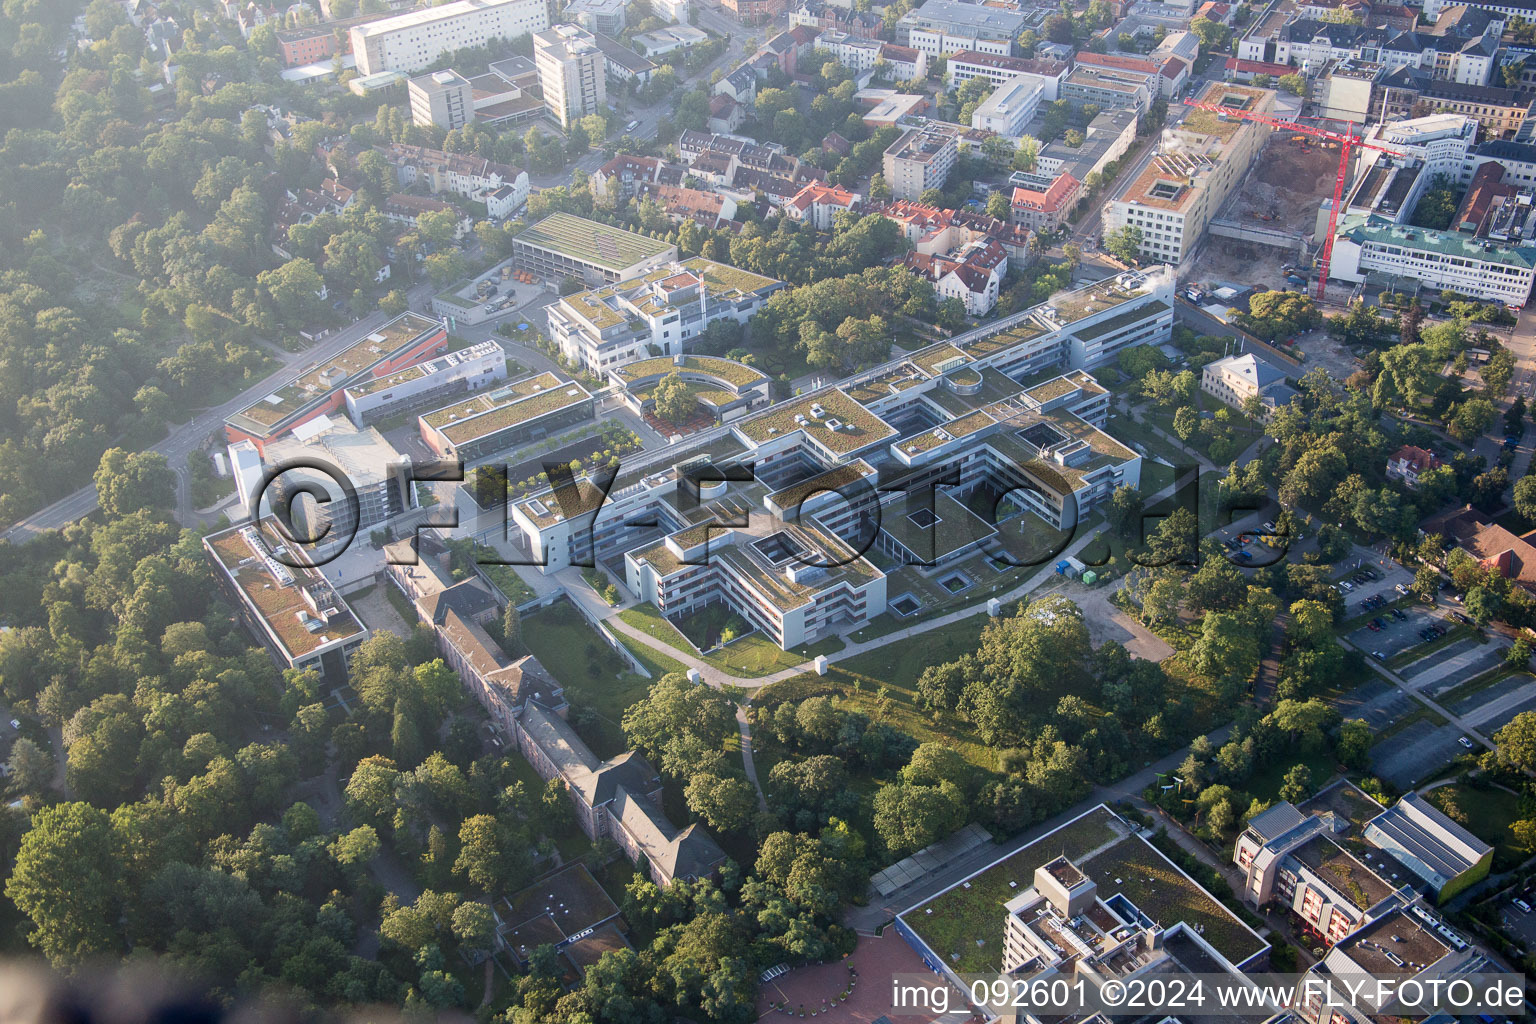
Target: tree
[474,925]
[1297,785]
[1483,604]
[1213,34]
[1354,746]
[1473,417]
[1124,244]
[1186,423]
[31,767]
[1511,73]
[446,266]
[998,206]
[1058,29]
[1516,742]
[485,854]
[727,803]
[908,817]
[512,630]
[128,483]
[673,399]
[1292,83]
[1027,155]
[676,707]
[66,880]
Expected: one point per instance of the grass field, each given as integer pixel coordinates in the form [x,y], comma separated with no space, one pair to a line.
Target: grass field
[964,925]
[595,677]
[1489,814]
[752,656]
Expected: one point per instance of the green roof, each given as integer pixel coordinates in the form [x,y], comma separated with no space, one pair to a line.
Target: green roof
[592,242]
[1120,320]
[737,375]
[957,527]
[508,406]
[860,427]
[1371,229]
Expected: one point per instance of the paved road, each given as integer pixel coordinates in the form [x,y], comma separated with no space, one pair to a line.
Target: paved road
[190,435]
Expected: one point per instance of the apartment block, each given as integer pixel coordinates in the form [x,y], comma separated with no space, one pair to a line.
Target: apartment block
[572,73]
[921,159]
[656,314]
[1198,165]
[411,42]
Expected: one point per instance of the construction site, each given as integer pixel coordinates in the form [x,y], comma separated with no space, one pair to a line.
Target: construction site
[1273,213]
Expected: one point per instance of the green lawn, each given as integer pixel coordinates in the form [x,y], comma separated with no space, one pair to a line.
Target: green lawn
[505,579]
[964,925]
[1265,783]
[1489,814]
[751,656]
[595,676]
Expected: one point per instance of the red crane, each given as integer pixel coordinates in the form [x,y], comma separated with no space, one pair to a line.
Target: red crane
[1348,143]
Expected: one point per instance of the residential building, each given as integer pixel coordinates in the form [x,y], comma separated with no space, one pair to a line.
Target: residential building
[657,313]
[572,73]
[411,42]
[818,205]
[755,12]
[1010,107]
[939,27]
[1199,164]
[934,231]
[1234,379]
[622,64]
[854,52]
[1408,462]
[404,341]
[525,410]
[903,63]
[921,159]
[426,384]
[464,175]
[834,18]
[969,64]
[627,175]
[671,10]
[443,98]
[1409,93]
[973,274]
[564,245]
[500,102]
[291,610]
[1041,202]
[600,17]
[763,547]
[709,210]
[1445,856]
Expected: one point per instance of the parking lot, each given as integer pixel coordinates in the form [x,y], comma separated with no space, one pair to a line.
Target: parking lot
[1396,634]
[1453,665]
[1518,924]
[1490,710]
[1378,702]
[1390,576]
[1416,753]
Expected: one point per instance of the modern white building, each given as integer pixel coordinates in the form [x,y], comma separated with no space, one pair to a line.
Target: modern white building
[1011,106]
[1496,269]
[1198,165]
[656,314]
[428,383]
[410,42]
[944,26]
[605,16]
[572,73]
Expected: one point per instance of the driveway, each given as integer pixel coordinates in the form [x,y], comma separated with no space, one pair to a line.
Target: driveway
[1106,622]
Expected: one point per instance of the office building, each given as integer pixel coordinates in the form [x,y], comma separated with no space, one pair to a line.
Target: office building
[943,26]
[413,41]
[969,64]
[1445,857]
[1233,380]
[1011,106]
[658,313]
[428,383]
[564,245]
[1198,165]
[572,73]
[598,16]
[292,611]
[513,414]
[443,98]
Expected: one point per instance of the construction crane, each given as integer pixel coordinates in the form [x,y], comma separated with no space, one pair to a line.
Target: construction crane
[1347,142]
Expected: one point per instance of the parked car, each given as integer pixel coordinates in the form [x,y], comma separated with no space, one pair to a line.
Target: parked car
[1401,588]
[1378,656]
[1459,617]
[1524,907]
[631,127]
[1465,742]
[1399,614]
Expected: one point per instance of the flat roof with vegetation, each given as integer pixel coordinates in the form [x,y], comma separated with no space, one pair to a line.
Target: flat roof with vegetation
[728,371]
[336,371]
[859,428]
[591,242]
[508,406]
